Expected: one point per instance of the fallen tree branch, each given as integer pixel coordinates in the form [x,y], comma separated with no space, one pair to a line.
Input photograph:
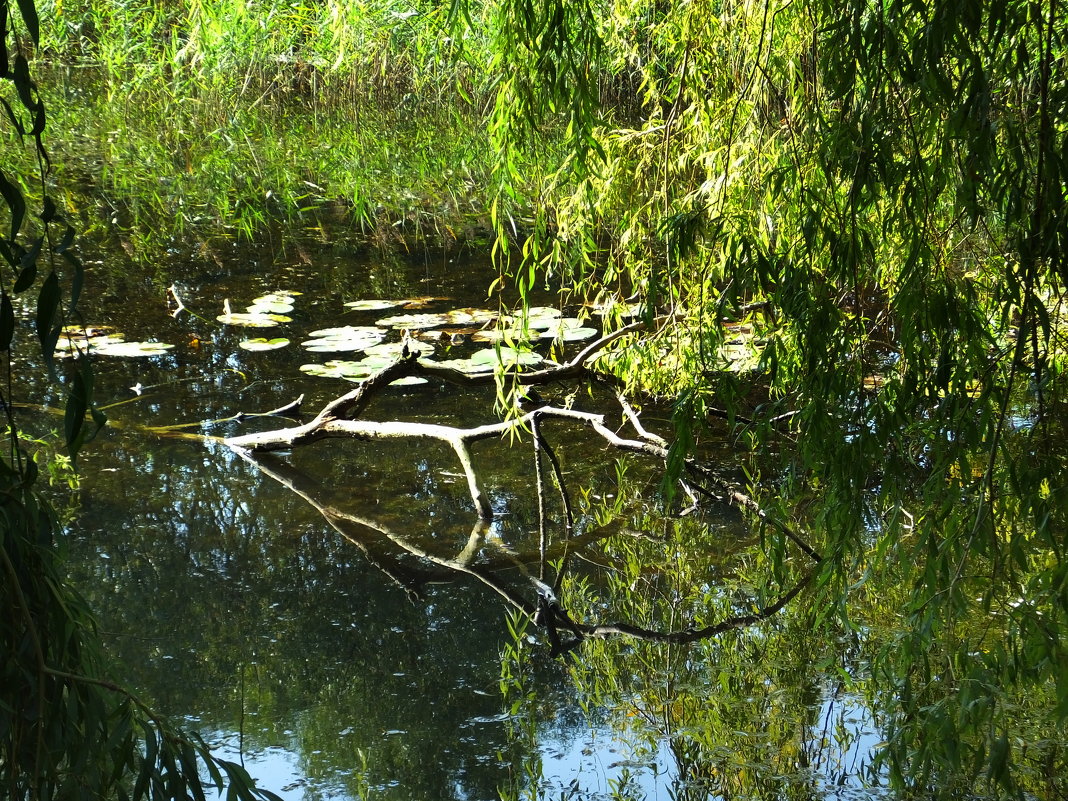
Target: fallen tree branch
[333,421]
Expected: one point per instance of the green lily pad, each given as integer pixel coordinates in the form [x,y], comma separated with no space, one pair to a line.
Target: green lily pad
[568,329]
[259,343]
[104,341]
[253,320]
[356,371]
[250,319]
[486,360]
[618,308]
[499,335]
[271,304]
[506,356]
[423,320]
[421,303]
[393,350]
[75,340]
[432,320]
[374,304]
[470,316]
[132,349]
[344,338]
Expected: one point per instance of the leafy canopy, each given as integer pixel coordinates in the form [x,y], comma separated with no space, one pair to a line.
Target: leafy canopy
[879,189]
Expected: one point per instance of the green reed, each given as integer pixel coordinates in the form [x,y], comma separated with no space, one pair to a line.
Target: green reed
[205,120]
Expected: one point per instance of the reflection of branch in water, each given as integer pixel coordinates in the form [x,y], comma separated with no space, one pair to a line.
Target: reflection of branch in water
[546,612]
[410,579]
[368,535]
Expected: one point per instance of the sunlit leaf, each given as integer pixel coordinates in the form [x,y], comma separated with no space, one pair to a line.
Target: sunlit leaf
[343,338]
[424,320]
[259,343]
[271,304]
[393,350]
[132,349]
[374,305]
[248,320]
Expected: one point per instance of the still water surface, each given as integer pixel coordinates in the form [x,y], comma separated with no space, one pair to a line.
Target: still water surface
[310,639]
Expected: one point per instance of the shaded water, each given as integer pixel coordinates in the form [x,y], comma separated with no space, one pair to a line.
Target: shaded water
[320,639]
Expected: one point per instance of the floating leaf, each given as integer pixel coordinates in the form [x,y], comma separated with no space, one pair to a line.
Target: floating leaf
[614,307]
[420,303]
[104,341]
[500,335]
[506,356]
[344,338]
[486,360]
[131,349]
[374,305]
[569,329]
[250,320]
[259,343]
[356,371]
[471,316]
[414,321]
[271,304]
[393,350]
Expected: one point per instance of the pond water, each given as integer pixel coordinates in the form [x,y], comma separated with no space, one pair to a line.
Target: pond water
[306,614]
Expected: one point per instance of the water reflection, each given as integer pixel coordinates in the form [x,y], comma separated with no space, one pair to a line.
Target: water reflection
[338,616]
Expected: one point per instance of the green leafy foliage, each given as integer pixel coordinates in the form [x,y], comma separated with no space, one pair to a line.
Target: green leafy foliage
[877,192]
[65,730]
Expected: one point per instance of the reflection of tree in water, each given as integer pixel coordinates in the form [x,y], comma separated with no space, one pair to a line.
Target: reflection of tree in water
[220,585]
[293,631]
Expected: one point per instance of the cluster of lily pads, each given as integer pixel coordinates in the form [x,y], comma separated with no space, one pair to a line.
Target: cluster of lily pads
[103,340]
[508,338]
[424,332]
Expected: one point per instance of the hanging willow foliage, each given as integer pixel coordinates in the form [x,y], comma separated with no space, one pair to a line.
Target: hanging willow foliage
[879,189]
[66,731]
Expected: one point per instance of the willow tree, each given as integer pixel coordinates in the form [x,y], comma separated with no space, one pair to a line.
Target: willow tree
[879,190]
[66,729]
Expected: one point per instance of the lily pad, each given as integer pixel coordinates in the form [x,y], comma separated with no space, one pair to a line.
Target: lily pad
[104,341]
[355,371]
[271,304]
[470,316]
[344,338]
[486,360]
[421,303]
[250,319]
[75,339]
[424,320]
[467,316]
[259,343]
[499,335]
[132,349]
[615,307]
[393,350]
[506,356]
[374,304]
[569,329]
[253,320]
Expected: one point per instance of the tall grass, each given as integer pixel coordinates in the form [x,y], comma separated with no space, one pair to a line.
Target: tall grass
[204,119]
